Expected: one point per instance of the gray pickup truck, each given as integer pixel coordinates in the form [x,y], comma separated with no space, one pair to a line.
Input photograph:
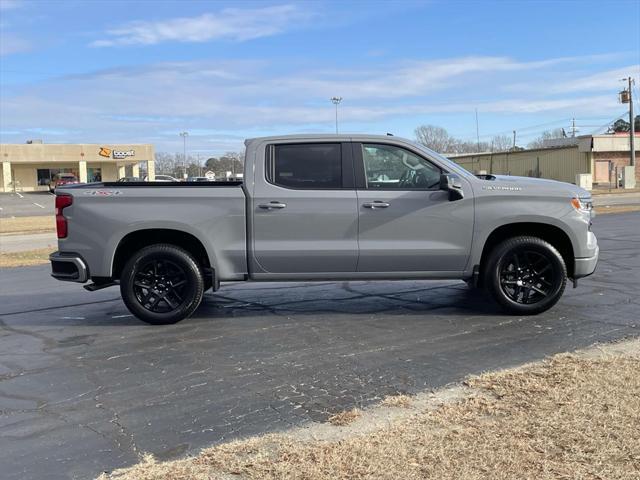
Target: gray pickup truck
[326,207]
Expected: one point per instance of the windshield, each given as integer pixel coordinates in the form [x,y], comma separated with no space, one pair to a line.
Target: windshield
[451,165]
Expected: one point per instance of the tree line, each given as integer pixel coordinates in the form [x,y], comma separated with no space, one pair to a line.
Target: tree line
[438,139]
[176,165]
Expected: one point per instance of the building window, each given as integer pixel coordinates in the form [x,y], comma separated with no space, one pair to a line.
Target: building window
[45,176]
[94,174]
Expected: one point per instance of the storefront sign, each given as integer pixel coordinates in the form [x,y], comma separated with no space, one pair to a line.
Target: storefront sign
[118,154]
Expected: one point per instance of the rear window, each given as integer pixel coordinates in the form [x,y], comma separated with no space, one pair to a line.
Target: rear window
[309,166]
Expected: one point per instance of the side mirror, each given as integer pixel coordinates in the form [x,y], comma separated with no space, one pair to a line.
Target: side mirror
[451,183]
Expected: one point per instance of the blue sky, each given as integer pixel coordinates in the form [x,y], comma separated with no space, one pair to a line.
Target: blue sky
[127,71]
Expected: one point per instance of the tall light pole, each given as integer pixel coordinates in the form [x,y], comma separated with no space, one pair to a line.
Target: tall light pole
[184,136]
[336,101]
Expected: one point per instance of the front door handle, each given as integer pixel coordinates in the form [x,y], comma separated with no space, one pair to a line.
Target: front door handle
[275,205]
[376,204]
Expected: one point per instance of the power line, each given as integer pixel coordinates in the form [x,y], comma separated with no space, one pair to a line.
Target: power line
[518,129]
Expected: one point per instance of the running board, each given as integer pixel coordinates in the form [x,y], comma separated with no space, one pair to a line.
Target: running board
[92,287]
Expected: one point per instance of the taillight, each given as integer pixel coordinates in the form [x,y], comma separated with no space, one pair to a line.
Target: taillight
[62,201]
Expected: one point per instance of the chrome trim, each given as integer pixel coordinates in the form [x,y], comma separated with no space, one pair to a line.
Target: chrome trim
[83,274]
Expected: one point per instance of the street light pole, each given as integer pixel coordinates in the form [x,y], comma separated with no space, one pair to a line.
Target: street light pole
[184,136]
[336,101]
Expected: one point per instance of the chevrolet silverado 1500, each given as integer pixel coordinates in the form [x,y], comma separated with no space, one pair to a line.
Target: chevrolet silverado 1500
[326,207]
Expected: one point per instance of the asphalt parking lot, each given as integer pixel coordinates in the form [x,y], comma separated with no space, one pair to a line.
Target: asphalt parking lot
[85,387]
[26,204]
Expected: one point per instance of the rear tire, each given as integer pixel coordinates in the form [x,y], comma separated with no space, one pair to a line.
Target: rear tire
[525,275]
[162,284]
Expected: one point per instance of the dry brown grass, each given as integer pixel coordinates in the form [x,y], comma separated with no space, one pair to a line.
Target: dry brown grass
[25,259]
[21,225]
[341,419]
[570,417]
[401,401]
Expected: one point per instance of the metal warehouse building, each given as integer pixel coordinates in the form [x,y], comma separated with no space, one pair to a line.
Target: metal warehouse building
[30,167]
[601,156]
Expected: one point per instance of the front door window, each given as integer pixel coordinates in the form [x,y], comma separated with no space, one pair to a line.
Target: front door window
[390,167]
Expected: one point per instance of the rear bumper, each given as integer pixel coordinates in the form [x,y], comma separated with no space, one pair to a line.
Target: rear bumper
[585,266]
[68,267]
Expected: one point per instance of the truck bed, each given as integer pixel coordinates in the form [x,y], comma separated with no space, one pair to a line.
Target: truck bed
[104,214]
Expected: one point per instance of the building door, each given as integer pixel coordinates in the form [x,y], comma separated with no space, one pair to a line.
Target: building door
[602,171]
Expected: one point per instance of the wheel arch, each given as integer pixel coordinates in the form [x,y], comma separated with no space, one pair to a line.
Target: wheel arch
[138,239]
[552,234]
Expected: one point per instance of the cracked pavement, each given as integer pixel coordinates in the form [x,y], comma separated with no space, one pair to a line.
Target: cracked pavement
[85,387]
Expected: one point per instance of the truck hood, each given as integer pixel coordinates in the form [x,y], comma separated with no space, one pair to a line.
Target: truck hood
[543,184]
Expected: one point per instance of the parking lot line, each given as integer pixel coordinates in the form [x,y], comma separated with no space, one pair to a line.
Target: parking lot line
[20,195]
[37,204]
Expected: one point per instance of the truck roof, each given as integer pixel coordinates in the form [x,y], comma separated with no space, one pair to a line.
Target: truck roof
[325,136]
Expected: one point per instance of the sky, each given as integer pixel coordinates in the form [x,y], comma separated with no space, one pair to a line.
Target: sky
[143,71]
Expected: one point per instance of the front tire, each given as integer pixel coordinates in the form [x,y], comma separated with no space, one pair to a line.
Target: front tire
[525,275]
[162,284]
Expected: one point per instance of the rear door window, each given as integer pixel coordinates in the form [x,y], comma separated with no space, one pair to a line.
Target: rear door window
[309,166]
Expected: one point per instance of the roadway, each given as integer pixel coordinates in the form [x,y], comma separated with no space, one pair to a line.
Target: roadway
[85,387]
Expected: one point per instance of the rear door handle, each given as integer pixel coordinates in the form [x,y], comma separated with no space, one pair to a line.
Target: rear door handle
[275,205]
[376,204]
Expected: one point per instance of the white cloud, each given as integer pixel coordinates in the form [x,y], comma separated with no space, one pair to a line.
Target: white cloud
[222,101]
[230,23]
[10,44]
[570,82]
[10,4]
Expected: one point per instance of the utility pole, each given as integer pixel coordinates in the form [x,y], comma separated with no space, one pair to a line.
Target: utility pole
[184,136]
[514,139]
[336,101]
[626,96]
[477,133]
[573,127]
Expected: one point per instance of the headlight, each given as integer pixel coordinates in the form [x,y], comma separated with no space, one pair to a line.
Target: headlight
[582,204]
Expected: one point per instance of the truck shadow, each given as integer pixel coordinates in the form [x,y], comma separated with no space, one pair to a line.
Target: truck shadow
[357,298]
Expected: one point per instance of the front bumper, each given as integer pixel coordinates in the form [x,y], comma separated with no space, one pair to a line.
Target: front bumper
[68,267]
[585,266]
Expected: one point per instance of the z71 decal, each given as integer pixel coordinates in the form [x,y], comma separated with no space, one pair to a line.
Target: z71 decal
[103,193]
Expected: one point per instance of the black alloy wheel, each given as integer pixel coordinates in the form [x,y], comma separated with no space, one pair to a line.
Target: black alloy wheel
[162,284]
[526,275]
[159,286]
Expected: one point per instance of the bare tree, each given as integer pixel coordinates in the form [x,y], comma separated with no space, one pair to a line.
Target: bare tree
[500,143]
[229,162]
[167,163]
[438,139]
[173,164]
[435,138]
[547,135]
